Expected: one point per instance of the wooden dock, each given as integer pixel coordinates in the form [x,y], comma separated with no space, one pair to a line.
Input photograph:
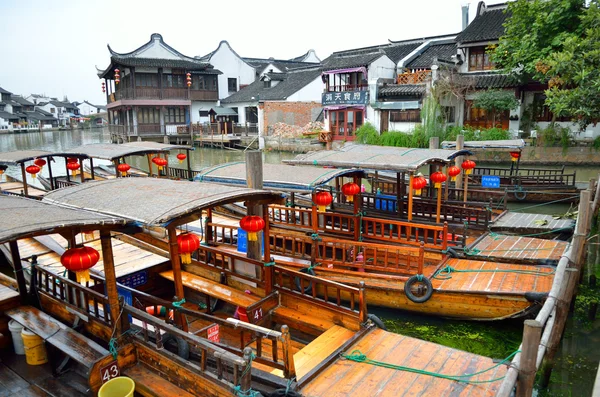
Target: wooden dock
[220,140]
[517,249]
[527,223]
[350,378]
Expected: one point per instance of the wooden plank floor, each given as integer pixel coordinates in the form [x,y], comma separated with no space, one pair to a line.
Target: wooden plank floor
[349,378]
[9,298]
[17,187]
[526,223]
[128,258]
[517,249]
[492,277]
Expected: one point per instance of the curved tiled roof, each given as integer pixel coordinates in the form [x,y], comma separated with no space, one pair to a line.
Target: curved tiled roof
[426,58]
[402,89]
[491,80]
[485,27]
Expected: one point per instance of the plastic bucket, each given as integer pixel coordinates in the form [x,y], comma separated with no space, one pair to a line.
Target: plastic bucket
[15,329]
[35,350]
[120,386]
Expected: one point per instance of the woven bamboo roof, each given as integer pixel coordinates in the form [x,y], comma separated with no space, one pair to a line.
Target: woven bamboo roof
[279,177]
[109,151]
[382,158]
[21,156]
[152,201]
[21,217]
[499,144]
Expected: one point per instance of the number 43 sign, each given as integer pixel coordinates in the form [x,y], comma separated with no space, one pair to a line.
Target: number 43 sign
[109,371]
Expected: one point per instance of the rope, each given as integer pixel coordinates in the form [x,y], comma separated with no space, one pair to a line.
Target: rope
[477,251]
[549,202]
[359,357]
[249,392]
[312,266]
[269,264]
[315,237]
[178,304]
[445,273]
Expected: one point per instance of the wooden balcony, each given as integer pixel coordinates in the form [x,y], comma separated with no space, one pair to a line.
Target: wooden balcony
[418,77]
[348,87]
[164,93]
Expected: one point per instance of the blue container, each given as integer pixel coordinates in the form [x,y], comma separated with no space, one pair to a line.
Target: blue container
[388,204]
[242,242]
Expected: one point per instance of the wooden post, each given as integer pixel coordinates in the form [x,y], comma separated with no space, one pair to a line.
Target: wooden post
[52,184]
[208,232]
[362,303]
[460,143]
[189,163]
[268,270]
[356,209]
[438,209]
[289,369]
[18,266]
[93,173]
[149,164]
[82,178]
[410,197]
[434,143]
[531,340]
[447,185]
[563,303]
[314,220]
[176,266]
[246,381]
[466,187]
[579,237]
[399,194]
[254,177]
[596,196]
[110,280]
[24,176]
[167,166]
[116,164]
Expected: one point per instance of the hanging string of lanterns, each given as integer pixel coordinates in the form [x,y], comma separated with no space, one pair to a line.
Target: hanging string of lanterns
[33,170]
[438,178]
[468,166]
[188,77]
[187,243]
[350,190]
[181,157]
[419,183]
[514,156]
[80,260]
[103,87]
[117,76]
[252,224]
[453,171]
[123,168]
[322,200]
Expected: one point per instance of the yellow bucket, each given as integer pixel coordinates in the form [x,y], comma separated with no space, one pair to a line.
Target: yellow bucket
[35,350]
[120,386]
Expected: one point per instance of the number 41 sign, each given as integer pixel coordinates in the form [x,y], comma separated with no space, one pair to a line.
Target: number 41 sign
[109,371]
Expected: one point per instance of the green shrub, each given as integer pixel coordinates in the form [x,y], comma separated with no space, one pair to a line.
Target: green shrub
[494,134]
[366,133]
[596,143]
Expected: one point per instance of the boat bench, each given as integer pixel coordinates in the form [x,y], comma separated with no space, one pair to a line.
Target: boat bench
[73,344]
[150,384]
[214,289]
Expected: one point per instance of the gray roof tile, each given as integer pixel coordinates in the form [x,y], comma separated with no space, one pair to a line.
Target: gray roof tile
[485,27]
[402,89]
[491,80]
[439,51]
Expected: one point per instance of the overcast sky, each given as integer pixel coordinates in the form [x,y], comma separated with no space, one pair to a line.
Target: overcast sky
[52,47]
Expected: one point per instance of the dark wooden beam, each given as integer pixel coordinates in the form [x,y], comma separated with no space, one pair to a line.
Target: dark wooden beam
[176,266]
[16,259]
[111,280]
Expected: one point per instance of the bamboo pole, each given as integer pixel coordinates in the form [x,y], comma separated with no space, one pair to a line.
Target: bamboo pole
[532,333]
[460,143]
[176,266]
[254,178]
[110,278]
[24,176]
[268,270]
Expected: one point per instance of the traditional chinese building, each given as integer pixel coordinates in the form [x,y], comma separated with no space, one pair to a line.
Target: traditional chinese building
[151,90]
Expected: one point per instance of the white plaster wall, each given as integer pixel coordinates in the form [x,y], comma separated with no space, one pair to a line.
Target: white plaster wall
[195,111]
[86,110]
[311,57]
[402,126]
[157,50]
[232,66]
[373,117]
[382,67]
[268,68]
[309,93]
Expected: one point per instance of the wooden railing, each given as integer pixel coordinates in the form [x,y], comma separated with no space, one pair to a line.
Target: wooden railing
[224,262]
[223,234]
[528,176]
[431,236]
[149,129]
[417,77]
[290,216]
[347,87]
[164,93]
[73,293]
[181,173]
[60,183]
[147,92]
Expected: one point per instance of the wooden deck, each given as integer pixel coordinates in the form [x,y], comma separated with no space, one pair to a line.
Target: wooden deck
[128,258]
[516,249]
[17,188]
[217,140]
[9,298]
[349,378]
[526,223]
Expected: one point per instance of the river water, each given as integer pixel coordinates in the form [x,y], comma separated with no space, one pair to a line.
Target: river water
[579,353]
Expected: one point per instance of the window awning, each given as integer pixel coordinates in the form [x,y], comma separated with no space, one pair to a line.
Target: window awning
[402,105]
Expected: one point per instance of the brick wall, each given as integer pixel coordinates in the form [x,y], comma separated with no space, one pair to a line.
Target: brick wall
[292,113]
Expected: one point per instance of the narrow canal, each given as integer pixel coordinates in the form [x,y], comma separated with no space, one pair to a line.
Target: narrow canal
[578,356]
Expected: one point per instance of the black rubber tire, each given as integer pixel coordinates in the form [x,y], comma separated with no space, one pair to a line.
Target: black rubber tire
[520,194]
[377,321]
[307,289]
[451,253]
[418,299]
[282,393]
[183,348]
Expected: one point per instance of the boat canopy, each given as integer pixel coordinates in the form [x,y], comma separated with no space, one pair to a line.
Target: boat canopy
[21,156]
[382,158]
[21,217]
[108,151]
[281,177]
[153,201]
[499,144]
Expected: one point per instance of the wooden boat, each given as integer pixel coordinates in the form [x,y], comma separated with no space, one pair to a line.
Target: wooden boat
[521,184]
[331,326]
[13,186]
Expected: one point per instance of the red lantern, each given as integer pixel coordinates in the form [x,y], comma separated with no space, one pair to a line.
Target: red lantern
[40,163]
[188,243]
[515,155]
[73,167]
[418,184]
[71,160]
[2,169]
[438,178]
[103,87]
[323,199]
[189,79]
[350,190]
[160,162]
[123,168]
[80,260]
[453,172]
[252,224]
[117,76]
[181,157]
[468,166]
[33,170]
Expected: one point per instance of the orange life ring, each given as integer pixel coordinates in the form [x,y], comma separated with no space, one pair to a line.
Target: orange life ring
[160,311]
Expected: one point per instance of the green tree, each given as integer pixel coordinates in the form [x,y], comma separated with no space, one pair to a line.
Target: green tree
[555,42]
[496,101]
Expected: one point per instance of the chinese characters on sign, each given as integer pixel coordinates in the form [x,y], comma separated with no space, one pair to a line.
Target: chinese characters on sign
[490,181]
[345,98]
